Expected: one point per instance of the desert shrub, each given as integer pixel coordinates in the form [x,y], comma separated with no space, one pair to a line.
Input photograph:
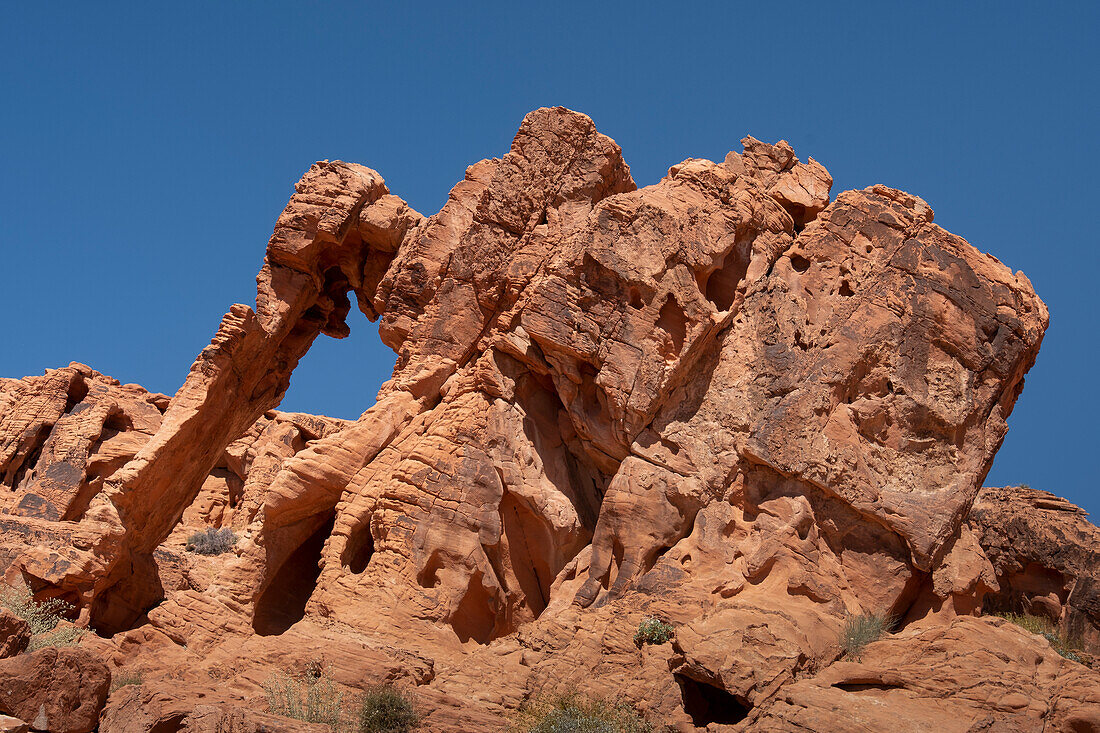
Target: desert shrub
[43,617]
[314,699]
[652,631]
[212,541]
[66,635]
[1065,645]
[123,678]
[385,709]
[861,630]
[576,714]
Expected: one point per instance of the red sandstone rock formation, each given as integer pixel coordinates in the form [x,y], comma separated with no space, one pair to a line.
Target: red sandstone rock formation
[720,399]
[56,690]
[1046,555]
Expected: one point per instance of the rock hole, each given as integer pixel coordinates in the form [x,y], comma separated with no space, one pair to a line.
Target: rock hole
[359,550]
[475,616]
[722,284]
[117,422]
[636,299]
[707,704]
[863,686]
[799,263]
[428,577]
[799,215]
[24,470]
[171,724]
[333,368]
[618,552]
[673,321]
[78,390]
[846,289]
[283,603]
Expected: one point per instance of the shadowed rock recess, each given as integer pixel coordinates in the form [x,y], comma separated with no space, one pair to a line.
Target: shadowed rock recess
[722,400]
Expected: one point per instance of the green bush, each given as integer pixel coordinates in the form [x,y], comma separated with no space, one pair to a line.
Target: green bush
[384,709]
[861,630]
[212,541]
[125,678]
[1065,645]
[43,617]
[652,631]
[576,714]
[314,699]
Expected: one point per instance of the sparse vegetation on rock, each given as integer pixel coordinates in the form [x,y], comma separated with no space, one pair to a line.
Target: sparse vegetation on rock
[577,714]
[861,630]
[1061,642]
[212,541]
[45,618]
[125,678]
[653,631]
[313,699]
[386,709]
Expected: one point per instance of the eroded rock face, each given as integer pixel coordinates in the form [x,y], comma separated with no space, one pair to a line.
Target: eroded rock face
[720,399]
[60,690]
[15,634]
[1046,555]
[973,674]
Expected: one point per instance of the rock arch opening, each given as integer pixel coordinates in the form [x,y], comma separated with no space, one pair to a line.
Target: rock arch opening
[340,377]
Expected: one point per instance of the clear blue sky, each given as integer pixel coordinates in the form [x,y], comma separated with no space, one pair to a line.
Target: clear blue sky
[146,152]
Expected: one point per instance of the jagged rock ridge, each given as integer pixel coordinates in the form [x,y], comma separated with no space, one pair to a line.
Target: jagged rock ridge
[720,399]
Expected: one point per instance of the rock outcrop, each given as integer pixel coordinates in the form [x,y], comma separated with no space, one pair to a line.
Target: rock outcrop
[15,634]
[1046,555]
[57,690]
[720,399]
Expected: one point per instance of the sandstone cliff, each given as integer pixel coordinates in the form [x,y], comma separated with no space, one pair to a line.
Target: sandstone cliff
[721,400]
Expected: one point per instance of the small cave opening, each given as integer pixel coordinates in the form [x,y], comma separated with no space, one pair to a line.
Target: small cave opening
[117,422]
[172,724]
[23,473]
[547,426]
[283,602]
[707,704]
[475,617]
[720,286]
[123,606]
[359,549]
[800,215]
[78,391]
[673,321]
